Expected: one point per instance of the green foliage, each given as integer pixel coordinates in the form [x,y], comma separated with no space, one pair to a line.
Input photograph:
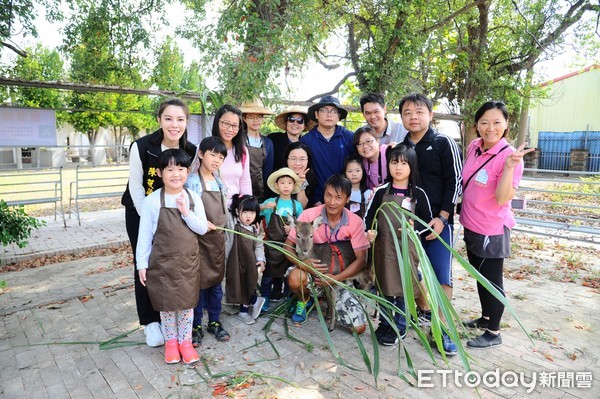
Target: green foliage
[254,43]
[16,225]
[441,307]
[17,15]
[40,64]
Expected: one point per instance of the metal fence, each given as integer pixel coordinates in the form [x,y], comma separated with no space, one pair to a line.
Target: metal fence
[555,149]
[560,204]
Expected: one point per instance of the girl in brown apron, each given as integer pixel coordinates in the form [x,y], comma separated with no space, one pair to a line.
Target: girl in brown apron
[354,170]
[205,181]
[246,259]
[285,183]
[400,189]
[169,263]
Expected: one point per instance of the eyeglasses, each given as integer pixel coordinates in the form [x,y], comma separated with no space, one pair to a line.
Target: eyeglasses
[296,160]
[329,111]
[299,121]
[227,125]
[365,143]
[254,117]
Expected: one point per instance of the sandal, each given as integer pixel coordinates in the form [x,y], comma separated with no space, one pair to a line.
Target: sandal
[219,332]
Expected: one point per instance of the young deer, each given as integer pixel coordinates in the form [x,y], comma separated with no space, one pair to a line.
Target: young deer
[335,255]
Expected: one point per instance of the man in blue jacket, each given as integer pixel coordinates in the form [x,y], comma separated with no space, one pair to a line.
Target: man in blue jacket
[329,142]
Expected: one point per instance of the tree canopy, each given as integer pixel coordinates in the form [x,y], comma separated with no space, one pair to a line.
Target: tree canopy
[464,51]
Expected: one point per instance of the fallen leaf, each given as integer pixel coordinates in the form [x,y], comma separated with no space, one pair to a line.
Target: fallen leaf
[360,388]
[549,357]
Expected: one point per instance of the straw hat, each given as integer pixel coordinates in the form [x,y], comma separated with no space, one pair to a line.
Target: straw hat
[284,172]
[324,101]
[281,119]
[255,106]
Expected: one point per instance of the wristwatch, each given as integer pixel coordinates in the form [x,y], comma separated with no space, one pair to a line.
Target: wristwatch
[443,219]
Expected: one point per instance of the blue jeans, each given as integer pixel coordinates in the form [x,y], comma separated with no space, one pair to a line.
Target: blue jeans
[210,299]
[440,256]
[398,318]
[267,283]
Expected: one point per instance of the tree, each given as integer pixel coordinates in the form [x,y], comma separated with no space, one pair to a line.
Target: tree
[16,17]
[253,42]
[41,64]
[105,43]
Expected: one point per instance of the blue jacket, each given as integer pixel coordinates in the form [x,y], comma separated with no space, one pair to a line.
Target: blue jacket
[328,156]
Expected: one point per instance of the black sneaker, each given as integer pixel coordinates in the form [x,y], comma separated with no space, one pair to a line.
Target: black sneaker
[381,330]
[197,335]
[477,323]
[276,296]
[485,341]
[219,332]
[391,337]
[424,317]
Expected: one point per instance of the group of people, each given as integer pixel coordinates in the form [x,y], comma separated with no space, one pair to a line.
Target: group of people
[197,216]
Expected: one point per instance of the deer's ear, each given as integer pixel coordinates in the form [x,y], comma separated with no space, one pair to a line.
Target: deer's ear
[317,222]
[291,222]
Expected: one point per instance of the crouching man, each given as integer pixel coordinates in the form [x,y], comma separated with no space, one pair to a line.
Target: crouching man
[344,235]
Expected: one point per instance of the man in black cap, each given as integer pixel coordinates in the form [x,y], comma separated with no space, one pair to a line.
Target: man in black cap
[329,142]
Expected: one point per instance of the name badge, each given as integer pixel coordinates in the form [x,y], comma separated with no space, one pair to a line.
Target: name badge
[354,207]
[482,177]
[407,204]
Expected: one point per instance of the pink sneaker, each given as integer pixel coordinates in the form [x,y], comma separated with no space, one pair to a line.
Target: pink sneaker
[172,351]
[188,353]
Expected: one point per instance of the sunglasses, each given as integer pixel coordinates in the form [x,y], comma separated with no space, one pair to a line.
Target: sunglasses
[299,121]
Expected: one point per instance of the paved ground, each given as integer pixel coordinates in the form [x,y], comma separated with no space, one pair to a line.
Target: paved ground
[54,317]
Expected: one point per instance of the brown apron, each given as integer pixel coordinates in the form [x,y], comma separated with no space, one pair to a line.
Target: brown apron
[212,244]
[387,262]
[241,271]
[173,276]
[358,208]
[257,157]
[277,263]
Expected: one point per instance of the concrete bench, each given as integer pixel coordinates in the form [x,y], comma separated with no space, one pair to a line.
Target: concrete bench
[33,187]
[93,182]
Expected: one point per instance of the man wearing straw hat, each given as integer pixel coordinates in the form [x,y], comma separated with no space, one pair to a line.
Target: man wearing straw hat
[292,121]
[329,142]
[260,148]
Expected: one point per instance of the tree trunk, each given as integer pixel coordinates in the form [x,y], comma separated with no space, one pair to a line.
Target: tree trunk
[524,117]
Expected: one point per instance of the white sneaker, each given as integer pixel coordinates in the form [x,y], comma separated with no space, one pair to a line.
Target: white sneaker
[246,318]
[257,307]
[154,335]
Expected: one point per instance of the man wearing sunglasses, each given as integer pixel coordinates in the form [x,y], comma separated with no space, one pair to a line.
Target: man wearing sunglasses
[329,142]
[374,111]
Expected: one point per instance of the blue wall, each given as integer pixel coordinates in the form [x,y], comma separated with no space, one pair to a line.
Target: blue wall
[555,149]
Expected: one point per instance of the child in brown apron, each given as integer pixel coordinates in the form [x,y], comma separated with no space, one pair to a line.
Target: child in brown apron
[260,148]
[401,189]
[354,170]
[205,181]
[246,258]
[285,183]
[168,255]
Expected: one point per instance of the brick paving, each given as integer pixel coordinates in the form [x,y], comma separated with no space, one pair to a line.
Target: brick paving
[50,312]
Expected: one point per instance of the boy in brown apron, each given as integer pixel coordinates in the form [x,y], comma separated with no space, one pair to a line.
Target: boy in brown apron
[204,180]
[169,263]
[285,183]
